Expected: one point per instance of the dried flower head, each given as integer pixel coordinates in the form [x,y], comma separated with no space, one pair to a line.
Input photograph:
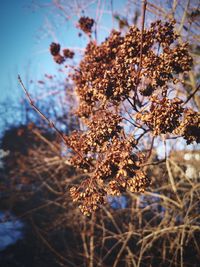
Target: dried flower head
[138,183]
[190,126]
[88,196]
[59,59]
[85,24]
[54,49]
[163,116]
[68,53]
[164,33]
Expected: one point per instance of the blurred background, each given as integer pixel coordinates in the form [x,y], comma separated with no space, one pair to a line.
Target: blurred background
[39,224]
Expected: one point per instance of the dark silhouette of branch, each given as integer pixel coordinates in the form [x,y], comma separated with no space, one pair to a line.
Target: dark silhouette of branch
[192,94]
[144,5]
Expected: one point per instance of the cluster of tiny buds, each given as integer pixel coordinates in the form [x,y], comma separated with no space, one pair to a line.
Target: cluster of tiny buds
[163,115]
[55,52]
[88,197]
[86,24]
[91,197]
[115,171]
[190,126]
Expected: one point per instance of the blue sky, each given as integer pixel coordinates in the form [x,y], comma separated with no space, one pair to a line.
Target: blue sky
[24,46]
[18,29]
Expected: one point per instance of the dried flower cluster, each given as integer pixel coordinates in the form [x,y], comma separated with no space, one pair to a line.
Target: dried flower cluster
[89,197]
[102,127]
[85,24]
[54,49]
[163,116]
[134,70]
[115,171]
[55,52]
[190,126]
[68,53]
[109,71]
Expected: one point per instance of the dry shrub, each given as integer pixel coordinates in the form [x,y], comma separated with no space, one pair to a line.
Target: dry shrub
[124,89]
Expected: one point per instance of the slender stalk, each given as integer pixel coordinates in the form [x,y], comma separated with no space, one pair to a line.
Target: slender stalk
[51,123]
[144,5]
[192,94]
[142,34]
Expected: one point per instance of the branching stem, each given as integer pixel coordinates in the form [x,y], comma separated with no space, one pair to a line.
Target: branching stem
[144,5]
[51,124]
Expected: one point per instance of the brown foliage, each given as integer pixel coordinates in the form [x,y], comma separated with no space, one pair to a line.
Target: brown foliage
[129,74]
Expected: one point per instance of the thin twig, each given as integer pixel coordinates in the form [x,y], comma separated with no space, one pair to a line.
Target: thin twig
[191,95]
[151,148]
[51,123]
[141,46]
[142,35]
[169,230]
[122,249]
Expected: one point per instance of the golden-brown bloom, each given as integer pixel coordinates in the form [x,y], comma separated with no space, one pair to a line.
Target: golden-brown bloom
[190,126]
[58,59]
[88,196]
[68,53]
[85,24]
[54,49]
[163,116]
[138,183]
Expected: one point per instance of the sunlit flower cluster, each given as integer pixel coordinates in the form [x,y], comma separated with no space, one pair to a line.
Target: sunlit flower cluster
[136,67]
[163,115]
[190,126]
[57,56]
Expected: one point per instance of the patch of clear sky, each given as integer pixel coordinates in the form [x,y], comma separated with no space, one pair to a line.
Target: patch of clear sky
[26,35]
